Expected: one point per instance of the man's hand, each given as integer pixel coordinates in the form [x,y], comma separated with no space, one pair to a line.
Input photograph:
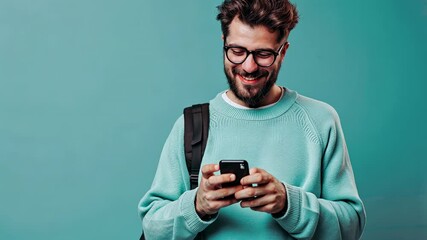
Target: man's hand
[268,196]
[210,196]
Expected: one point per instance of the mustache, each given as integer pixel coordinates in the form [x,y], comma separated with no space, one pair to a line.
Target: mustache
[257,74]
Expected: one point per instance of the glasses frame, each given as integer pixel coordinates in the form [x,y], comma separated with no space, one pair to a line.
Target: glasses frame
[254,53]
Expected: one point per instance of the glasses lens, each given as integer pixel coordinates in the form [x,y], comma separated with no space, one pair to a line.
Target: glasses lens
[264,58]
[236,55]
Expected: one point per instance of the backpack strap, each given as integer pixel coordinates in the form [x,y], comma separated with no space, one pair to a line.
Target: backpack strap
[196,128]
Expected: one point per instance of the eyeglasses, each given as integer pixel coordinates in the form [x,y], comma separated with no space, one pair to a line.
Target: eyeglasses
[262,57]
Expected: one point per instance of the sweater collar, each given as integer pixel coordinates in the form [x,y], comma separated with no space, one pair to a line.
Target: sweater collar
[222,107]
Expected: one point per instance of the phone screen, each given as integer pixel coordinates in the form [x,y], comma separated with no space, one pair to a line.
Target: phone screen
[240,168]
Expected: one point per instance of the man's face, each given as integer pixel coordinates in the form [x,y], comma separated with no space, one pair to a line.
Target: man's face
[251,84]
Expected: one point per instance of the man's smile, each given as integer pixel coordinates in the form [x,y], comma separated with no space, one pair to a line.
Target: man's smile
[248,80]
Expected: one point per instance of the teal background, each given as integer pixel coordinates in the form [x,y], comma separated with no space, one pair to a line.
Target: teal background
[89,91]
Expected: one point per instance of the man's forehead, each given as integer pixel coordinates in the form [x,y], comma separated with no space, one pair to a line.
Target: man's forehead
[256,36]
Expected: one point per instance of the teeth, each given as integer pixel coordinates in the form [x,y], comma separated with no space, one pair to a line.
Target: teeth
[249,78]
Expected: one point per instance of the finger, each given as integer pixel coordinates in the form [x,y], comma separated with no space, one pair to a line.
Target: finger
[222,193]
[258,202]
[256,178]
[255,170]
[264,208]
[212,207]
[209,169]
[273,207]
[250,192]
[223,178]
[207,184]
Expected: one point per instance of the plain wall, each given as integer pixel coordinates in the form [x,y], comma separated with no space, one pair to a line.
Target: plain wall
[89,91]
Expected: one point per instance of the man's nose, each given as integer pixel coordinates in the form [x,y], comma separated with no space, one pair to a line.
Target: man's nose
[249,65]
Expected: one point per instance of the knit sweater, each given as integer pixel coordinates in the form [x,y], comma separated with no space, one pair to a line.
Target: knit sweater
[298,140]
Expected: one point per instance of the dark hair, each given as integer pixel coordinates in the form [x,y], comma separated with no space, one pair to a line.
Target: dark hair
[276,15]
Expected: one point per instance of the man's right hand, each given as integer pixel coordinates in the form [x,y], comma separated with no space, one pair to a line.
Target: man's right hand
[210,196]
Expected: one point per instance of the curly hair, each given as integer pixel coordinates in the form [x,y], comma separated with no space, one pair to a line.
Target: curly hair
[276,15]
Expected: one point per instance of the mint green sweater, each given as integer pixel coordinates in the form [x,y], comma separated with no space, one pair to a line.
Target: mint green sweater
[298,140]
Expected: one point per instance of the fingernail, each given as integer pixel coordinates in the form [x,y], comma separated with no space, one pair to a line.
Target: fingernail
[232,177]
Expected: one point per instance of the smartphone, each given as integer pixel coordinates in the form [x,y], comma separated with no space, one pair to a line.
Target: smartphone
[240,168]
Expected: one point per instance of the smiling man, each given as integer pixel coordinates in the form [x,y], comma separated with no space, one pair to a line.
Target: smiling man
[252,74]
[301,185]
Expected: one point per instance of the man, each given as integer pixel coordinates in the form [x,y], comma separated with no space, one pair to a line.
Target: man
[301,185]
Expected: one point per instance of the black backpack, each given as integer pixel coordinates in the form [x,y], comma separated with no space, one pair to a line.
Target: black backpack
[196,127]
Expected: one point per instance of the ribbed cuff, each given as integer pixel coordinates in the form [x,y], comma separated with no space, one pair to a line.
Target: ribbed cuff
[191,217]
[290,220]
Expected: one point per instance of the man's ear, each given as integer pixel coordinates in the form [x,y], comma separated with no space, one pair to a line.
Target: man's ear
[283,51]
[222,37]
[285,47]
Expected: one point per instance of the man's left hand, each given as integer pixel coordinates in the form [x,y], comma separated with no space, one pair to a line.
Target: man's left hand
[268,195]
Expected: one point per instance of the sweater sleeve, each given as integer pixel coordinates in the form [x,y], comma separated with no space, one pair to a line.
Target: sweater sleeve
[167,210]
[338,213]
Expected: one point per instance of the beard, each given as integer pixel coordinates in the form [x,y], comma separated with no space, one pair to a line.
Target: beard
[252,96]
